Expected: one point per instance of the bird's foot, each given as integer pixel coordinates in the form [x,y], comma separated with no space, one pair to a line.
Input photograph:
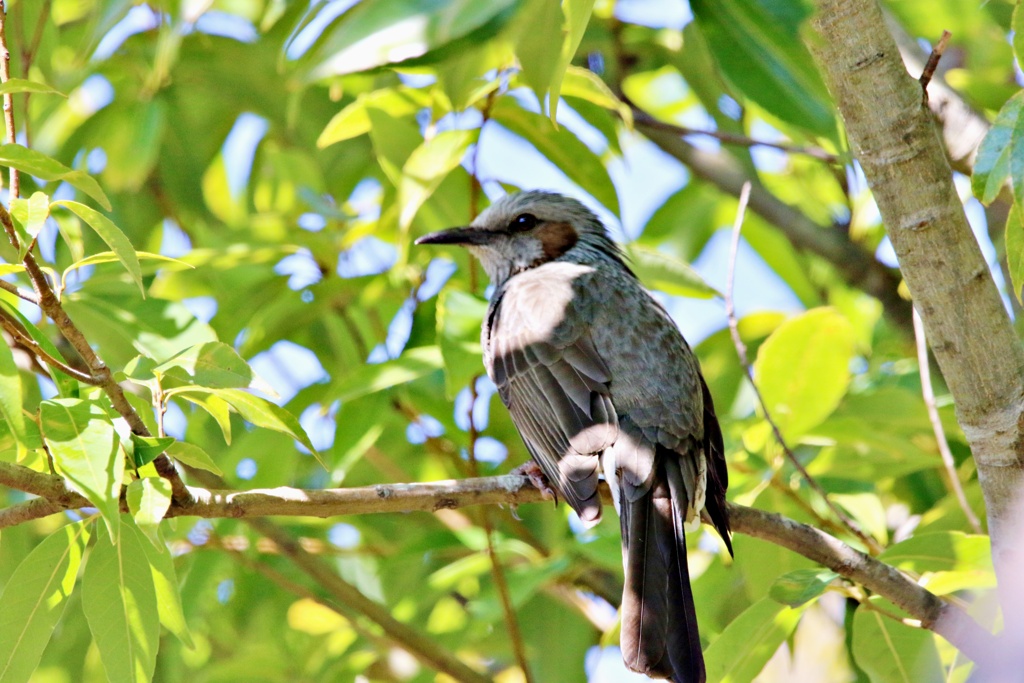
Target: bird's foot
[535,474]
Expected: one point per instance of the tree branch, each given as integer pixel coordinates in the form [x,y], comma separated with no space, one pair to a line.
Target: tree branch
[858,267]
[898,145]
[944,618]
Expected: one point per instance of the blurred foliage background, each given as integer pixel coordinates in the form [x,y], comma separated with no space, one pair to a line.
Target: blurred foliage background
[286,154]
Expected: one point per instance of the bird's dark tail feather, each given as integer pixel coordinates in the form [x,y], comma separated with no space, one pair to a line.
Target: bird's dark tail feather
[659,625]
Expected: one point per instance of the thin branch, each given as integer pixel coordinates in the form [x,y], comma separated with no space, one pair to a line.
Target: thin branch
[25,340]
[100,373]
[640,116]
[5,75]
[427,651]
[856,265]
[935,614]
[497,571]
[933,415]
[19,292]
[932,63]
[741,351]
[19,513]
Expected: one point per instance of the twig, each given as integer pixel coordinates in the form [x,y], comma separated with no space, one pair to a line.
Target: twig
[640,116]
[19,292]
[98,370]
[23,338]
[935,614]
[933,415]
[19,513]
[5,75]
[423,648]
[932,63]
[741,351]
[497,571]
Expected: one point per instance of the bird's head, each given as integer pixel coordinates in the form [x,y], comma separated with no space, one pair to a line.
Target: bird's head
[525,230]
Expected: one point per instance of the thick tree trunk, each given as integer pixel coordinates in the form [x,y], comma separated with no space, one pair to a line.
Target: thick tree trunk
[896,141]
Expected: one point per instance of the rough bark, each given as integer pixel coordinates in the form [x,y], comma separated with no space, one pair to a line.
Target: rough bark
[896,140]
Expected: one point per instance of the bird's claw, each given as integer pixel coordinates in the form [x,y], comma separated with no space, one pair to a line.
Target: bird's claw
[535,474]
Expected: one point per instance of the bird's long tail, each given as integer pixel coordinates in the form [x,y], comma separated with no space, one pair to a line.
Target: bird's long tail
[659,624]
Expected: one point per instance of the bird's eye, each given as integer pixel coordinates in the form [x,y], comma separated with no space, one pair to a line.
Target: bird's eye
[523,222]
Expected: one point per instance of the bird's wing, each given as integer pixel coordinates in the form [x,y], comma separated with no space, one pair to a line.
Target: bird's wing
[555,384]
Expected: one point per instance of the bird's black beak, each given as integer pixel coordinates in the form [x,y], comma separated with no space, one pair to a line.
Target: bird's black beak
[465,236]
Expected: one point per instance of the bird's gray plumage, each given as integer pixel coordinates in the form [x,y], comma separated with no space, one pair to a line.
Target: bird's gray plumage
[597,379]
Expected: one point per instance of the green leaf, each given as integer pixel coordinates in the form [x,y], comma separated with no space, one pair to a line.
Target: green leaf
[941,551]
[193,456]
[368,379]
[34,600]
[15,85]
[149,498]
[211,364]
[1001,153]
[586,85]
[110,257]
[759,48]
[377,32]
[892,652]
[41,166]
[577,16]
[803,369]
[801,585]
[354,120]
[165,583]
[749,641]
[260,412]
[10,396]
[83,443]
[538,45]
[427,166]
[217,409]
[120,604]
[458,334]
[561,147]
[661,271]
[31,214]
[1014,243]
[112,235]
[66,385]
[145,449]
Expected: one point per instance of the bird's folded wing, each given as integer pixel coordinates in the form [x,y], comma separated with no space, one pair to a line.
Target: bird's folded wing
[558,398]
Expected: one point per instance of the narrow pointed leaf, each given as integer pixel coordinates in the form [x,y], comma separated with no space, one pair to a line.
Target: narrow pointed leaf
[34,600]
[10,394]
[211,364]
[112,235]
[66,385]
[41,166]
[427,166]
[740,652]
[149,499]
[83,443]
[165,583]
[15,85]
[120,604]
[193,456]
[892,652]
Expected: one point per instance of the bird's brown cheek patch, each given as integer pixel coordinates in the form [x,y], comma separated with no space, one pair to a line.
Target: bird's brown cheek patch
[556,239]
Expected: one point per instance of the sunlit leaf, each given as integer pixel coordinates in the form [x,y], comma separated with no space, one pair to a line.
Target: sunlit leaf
[803,369]
[412,364]
[65,384]
[83,443]
[211,364]
[120,604]
[741,651]
[16,85]
[1014,244]
[801,586]
[458,334]
[561,147]
[668,274]
[144,449]
[10,395]
[34,600]
[148,499]
[193,456]
[110,234]
[427,166]
[891,652]
[759,48]
[41,166]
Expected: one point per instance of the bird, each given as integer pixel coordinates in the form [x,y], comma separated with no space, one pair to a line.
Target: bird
[599,380]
